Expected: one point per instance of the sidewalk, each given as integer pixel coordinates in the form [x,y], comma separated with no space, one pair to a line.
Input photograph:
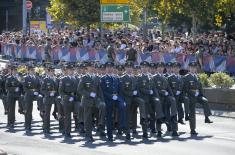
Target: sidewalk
[218,113]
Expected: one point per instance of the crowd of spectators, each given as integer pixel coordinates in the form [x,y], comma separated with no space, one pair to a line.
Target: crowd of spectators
[131,41]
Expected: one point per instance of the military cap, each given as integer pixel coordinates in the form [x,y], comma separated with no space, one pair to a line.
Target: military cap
[119,67]
[193,64]
[169,64]
[67,66]
[176,64]
[144,63]
[102,66]
[160,64]
[137,67]
[129,64]
[110,64]
[30,65]
[50,66]
[152,65]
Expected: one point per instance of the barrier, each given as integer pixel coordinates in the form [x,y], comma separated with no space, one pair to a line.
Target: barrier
[211,63]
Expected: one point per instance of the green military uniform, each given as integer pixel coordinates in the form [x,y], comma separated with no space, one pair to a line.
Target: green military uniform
[168,103]
[67,90]
[193,89]
[31,86]
[92,97]
[49,89]
[13,89]
[3,92]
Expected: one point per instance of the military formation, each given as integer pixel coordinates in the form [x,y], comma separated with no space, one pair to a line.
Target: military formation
[104,97]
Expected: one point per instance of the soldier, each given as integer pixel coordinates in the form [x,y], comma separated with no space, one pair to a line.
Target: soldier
[176,84]
[167,100]
[129,90]
[31,86]
[133,123]
[193,89]
[80,109]
[13,89]
[58,102]
[3,76]
[112,95]
[92,98]
[67,90]
[131,53]
[49,89]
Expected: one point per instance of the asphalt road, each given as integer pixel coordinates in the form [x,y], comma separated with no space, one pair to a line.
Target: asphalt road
[217,139]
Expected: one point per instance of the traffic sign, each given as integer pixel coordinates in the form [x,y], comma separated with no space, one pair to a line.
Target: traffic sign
[114,1]
[115,13]
[29,5]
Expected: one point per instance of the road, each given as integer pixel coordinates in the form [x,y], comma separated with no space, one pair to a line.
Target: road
[217,139]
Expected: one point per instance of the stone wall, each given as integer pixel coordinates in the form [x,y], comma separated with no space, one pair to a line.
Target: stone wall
[222,99]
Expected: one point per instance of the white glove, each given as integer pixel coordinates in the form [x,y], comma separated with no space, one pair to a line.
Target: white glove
[35,93]
[197,93]
[17,89]
[59,97]
[178,92]
[151,92]
[40,96]
[52,94]
[135,92]
[115,97]
[92,94]
[166,93]
[71,99]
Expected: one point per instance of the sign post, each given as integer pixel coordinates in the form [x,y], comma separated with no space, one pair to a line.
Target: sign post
[115,11]
[29,6]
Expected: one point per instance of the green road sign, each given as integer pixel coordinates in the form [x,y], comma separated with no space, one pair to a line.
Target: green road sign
[115,13]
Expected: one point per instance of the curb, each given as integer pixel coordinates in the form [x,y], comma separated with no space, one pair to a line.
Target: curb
[218,113]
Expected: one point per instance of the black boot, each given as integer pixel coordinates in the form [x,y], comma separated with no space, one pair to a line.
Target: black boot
[181,121]
[207,120]
[159,134]
[193,132]
[175,134]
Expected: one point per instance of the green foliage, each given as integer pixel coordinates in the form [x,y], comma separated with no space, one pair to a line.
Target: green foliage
[201,13]
[75,10]
[204,79]
[221,80]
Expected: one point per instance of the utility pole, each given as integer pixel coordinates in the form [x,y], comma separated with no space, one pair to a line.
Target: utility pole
[7,19]
[24,15]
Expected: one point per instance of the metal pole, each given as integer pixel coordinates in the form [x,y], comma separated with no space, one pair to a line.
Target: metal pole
[24,16]
[28,22]
[7,19]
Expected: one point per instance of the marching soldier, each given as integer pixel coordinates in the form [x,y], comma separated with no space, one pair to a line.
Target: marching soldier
[193,89]
[13,89]
[92,98]
[67,90]
[112,95]
[3,76]
[31,86]
[147,91]
[49,89]
[167,100]
[129,90]
[176,84]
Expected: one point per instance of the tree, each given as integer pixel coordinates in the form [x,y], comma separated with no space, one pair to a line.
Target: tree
[76,10]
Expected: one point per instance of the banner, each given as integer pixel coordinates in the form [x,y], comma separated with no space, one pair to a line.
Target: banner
[211,63]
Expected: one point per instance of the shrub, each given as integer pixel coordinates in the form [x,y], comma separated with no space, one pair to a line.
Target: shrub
[221,80]
[204,79]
